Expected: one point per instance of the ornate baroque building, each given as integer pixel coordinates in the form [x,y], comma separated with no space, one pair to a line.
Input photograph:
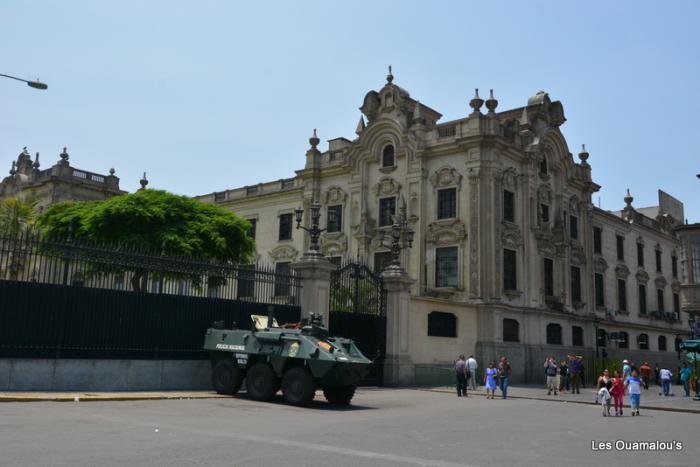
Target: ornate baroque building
[60,182]
[510,255]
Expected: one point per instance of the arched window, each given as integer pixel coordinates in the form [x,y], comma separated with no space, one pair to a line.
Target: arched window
[554,334]
[643,341]
[623,340]
[511,330]
[543,166]
[662,343]
[388,156]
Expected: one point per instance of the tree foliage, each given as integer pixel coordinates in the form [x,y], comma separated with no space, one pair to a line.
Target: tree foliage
[155,221]
[17,215]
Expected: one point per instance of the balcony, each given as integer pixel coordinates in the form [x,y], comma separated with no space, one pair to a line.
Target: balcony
[690,298]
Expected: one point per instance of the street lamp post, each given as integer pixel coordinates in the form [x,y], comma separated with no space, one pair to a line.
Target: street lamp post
[314,231]
[33,84]
[401,237]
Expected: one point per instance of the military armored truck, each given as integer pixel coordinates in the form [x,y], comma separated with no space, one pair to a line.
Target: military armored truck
[297,359]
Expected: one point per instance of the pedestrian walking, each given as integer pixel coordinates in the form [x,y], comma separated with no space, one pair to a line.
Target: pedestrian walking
[563,376]
[634,389]
[604,398]
[602,381]
[472,365]
[575,369]
[550,369]
[490,380]
[685,373]
[666,376]
[657,375]
[645,374]
[461,375]
[618,392]
[626,369]
[504,372]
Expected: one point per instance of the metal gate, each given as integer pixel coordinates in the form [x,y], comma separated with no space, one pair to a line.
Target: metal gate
[358,312]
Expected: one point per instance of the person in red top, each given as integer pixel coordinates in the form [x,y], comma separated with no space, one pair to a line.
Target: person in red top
[618,393]
[645,373]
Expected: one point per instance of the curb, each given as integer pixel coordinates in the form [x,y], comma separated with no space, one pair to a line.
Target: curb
[650,407]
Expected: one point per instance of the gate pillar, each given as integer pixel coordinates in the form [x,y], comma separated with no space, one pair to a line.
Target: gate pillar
[399,369]
[315,275]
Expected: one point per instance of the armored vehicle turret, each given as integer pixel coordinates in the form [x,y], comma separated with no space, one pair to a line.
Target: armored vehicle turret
[298,359]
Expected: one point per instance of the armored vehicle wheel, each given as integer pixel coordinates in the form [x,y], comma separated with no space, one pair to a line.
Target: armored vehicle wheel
[261,382]
[226,377]
[298,386]
[339,396]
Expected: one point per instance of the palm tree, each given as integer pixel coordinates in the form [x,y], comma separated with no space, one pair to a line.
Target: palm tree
[17,215]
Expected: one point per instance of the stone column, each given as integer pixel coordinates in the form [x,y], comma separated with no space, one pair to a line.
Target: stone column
[315,274]
[398,365]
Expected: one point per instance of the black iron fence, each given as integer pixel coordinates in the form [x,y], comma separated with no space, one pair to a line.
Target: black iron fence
[29,257]
[355,288]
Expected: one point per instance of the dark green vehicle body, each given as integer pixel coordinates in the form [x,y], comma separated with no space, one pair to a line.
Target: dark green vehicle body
[298,361]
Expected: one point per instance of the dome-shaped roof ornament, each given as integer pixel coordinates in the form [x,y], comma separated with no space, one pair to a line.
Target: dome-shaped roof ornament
[491,103]
[583,155]
[628,199]
[143,182]
[64,155]
[112,171]
[476,102]
[36,164]
[389,77]
[314,140]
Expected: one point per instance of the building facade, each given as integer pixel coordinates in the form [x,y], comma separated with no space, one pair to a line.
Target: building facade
[60,182]
[510,256]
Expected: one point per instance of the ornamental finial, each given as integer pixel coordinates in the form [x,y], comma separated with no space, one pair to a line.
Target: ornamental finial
[389,77]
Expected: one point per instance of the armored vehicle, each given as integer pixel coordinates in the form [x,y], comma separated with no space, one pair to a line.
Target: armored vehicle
[295,358]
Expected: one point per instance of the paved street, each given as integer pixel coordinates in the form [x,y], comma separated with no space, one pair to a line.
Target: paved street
[386,428]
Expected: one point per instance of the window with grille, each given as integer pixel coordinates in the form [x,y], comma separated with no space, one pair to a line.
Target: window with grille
[387,210]
[597,240]
[573,227]
[442,324]
[658,260]
[643,341]
[246,281]
[545,213]
[446,267]
[642,300]
[282,279]
[388,156]
[335,218]
[508,206]
[662,343]
[660,299]
[548,277]
[510,277]
[575,284]
[674,266]
[621,295]
[554,334]
[599,291]
[676,304]
[511,330]
[577,336]
[620,247]
[624,340]
[285,232]
[447,203]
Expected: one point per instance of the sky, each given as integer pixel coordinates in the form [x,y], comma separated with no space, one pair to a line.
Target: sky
[211,95]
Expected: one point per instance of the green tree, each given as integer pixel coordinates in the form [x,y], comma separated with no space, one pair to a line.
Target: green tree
[16,215]
[157,221]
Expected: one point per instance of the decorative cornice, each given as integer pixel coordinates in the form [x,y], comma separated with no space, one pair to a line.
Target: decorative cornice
[622,271]
[642,276]
[335,195]
[511,236]
[441,233]
[386,186]
[660,282]
[676,286]
[446,177]
[578,255]
[284,253]
[599,264]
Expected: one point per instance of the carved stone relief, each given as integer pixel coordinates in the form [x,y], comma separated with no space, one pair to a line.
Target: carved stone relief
[474,232]
[443,233]
[642,276]
[676,286]
[622,271]
[660,282]
[386,186]
[510,179]
[544,194]
[334,195]
[283,253]
[334,244]
[511,235]
[578,255]
[599,264]
[446,176]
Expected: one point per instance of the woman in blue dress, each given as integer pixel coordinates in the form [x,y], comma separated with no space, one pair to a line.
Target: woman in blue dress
[490,380]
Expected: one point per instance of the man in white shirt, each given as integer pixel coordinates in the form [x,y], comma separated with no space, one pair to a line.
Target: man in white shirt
[472,365]
[665,374]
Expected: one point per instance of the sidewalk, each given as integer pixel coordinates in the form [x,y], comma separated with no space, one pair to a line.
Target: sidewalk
[35,396]
[651,400]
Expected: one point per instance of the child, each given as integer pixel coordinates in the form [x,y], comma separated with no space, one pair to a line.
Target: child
[634,388]
[604,398]
[490,380]
[618,393]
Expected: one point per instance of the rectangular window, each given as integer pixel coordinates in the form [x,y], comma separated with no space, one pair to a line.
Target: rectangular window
[447,203]
[508,206]
[575,284]
[599,291]
[446,267]
[382,261]
[660,299]
[640,255]
[573,227]
[387,210]
[548,277]
[442,324]
[658,260]
[577,336]
[335,218]
[510,278]
[620,248]
[282,279]
[621,295]
[677,304]
[246,280]
[674,266]
[597,240]
[285,227]
[642,299]
[253,225]
[545,213]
